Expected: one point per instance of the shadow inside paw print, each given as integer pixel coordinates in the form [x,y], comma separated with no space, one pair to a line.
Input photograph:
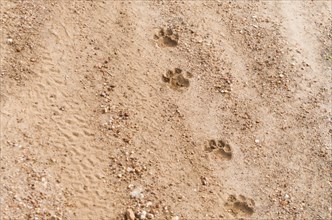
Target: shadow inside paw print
[221,149]
[240,206]
[167,38]
[175,79]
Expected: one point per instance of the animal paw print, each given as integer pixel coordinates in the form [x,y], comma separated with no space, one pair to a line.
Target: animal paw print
[176,79]
[240,206]
[167,38]
[221,149]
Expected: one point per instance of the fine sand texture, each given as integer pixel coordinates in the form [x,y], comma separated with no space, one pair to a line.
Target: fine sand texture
[194,109]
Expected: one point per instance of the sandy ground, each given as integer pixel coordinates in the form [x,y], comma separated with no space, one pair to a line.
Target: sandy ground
[165,109]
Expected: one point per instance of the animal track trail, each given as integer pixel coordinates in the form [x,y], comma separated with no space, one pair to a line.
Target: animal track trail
[240,206]
[167,38]
[175,79]
[221,149]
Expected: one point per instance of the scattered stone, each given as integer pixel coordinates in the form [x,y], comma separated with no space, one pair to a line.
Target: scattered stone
[284,202]
[137,193]
[130,215]
[17,145]
[175,218]
[130,169]
[126,140]
[150,216]
[142,215]
[9,41]
[204,181]
[105,110]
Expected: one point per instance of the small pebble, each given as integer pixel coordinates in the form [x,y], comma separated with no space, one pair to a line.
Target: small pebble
[130,215]
[130,169]
[142,215]
[137,193]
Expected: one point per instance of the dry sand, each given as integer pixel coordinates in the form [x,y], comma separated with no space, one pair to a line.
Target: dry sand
[165,109]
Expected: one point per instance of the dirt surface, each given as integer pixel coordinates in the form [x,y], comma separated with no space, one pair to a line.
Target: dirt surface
[165,109]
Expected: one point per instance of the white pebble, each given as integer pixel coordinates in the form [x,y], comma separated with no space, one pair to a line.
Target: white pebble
[130,169]
[142,215]
[137,193]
